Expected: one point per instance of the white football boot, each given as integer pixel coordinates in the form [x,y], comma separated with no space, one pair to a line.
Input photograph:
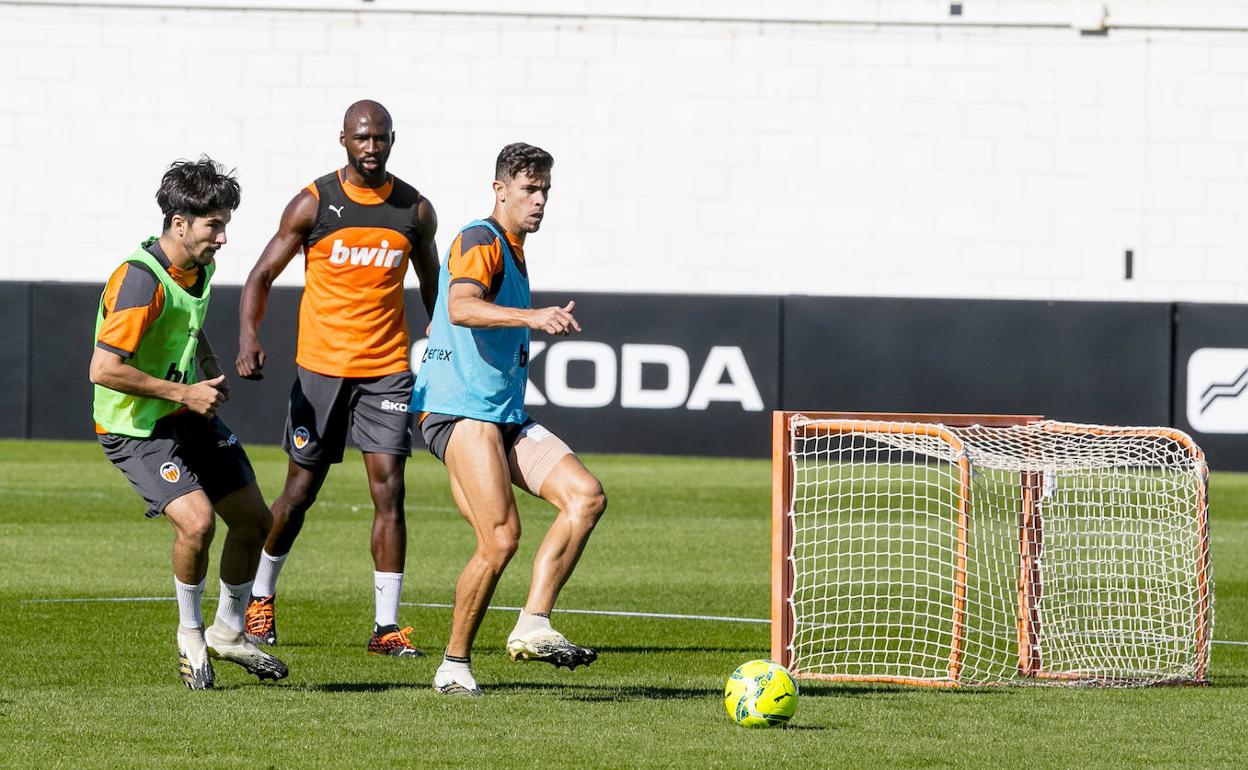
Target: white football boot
[549,646]
[193,662]
[224,643]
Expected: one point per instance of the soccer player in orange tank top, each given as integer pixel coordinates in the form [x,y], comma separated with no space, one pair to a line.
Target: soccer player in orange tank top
[358,228]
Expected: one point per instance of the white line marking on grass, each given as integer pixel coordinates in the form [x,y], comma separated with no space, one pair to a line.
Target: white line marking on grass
[101,599]
[443,606]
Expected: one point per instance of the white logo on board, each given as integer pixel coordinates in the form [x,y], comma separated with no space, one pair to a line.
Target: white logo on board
[1217,390]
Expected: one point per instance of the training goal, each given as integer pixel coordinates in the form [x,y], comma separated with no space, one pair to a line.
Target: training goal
[961,550]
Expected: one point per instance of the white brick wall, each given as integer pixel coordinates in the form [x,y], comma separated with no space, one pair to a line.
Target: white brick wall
[786,154]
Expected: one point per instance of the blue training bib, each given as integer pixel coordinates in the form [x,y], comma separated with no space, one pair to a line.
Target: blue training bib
[477,373]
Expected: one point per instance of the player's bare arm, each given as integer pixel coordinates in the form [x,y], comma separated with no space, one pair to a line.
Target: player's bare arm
[466,305]
[112,371]
[425,254]
[295,225]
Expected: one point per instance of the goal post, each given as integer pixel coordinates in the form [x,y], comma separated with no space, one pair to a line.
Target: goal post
[949,550]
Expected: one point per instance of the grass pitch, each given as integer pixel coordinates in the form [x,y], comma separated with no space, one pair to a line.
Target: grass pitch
[94,683]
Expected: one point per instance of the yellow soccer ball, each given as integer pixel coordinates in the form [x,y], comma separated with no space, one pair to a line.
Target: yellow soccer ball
[761,693]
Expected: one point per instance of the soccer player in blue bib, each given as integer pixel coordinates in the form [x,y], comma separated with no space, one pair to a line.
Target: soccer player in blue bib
[470,396]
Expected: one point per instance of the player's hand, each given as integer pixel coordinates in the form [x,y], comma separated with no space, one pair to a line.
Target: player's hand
[250,360]
[212,370]
[205,397]
[555,320]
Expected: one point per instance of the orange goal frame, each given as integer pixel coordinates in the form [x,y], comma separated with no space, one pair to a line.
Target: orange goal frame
[1030,535]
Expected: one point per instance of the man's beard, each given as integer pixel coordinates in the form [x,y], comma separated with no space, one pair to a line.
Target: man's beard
[375,175]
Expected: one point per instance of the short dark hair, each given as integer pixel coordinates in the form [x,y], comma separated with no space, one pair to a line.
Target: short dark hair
[196,188]
[518,157]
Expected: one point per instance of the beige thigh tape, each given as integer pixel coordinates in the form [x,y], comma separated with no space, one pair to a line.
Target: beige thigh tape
[535,454]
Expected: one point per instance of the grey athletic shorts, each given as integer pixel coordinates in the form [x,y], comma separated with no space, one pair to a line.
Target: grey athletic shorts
[322,409]
[185,452]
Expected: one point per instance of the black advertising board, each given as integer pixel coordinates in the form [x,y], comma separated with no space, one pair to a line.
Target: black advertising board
[1081,361]
[63,322]
[256,410]
[653,374]
[657,374]
[1211,380]
[689,374]
[62,338]
[15,359]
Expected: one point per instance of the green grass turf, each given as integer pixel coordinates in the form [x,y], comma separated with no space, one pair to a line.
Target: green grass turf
[95,684]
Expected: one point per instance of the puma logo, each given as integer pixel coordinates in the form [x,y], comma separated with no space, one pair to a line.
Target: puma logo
[337,210]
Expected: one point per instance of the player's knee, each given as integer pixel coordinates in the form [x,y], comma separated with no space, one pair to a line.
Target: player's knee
[197,530]
[388,498]
[389,514]
[588,504]
[297,499]
[500,545]
[256,527]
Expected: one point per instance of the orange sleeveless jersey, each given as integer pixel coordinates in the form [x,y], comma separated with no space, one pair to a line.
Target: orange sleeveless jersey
[351,318]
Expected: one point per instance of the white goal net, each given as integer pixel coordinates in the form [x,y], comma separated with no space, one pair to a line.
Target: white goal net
[1046,553]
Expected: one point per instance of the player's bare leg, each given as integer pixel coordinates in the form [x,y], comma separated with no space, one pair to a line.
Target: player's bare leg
[385,484]
[248,519]
[578,495]
[249,522]
[481,486]
[299,493]
[193,526]
[389,546]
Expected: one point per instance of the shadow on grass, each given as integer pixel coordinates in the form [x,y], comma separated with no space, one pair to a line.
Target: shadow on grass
[812,690]
[574,692]
[589,693]
[364,686]
[643,648]
[1228,682]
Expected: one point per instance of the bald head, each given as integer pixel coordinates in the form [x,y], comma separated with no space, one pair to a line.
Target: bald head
[367,110]
[367,134]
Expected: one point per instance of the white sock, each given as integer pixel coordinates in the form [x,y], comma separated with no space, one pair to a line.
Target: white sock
[530,622]
[265,583]
[192,641]
[233,604]
[387,587]
[455,670]
[190,599]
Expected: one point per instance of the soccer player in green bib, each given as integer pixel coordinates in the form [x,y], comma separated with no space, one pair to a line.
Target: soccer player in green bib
[156,419]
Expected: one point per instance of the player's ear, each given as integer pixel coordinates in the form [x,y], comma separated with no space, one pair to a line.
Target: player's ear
[500,191]
[342,138]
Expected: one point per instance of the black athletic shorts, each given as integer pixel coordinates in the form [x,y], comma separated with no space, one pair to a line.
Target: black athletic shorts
[185,452]
[437,428]
[323,408]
